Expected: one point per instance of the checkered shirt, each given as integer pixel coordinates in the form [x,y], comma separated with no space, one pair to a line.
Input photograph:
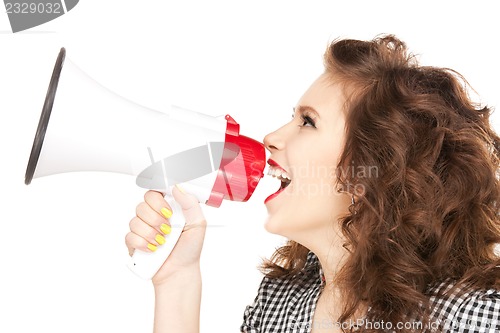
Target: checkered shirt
[287,306]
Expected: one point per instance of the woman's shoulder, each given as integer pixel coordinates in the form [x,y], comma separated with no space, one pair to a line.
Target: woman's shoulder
[285,303]
[310,275]
[453,307]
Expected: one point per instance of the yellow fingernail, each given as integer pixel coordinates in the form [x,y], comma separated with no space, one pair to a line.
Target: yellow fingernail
[165,228]
[166,212]
[160,239]
[152,247]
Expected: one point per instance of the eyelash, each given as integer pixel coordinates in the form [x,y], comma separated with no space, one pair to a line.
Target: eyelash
[307,120]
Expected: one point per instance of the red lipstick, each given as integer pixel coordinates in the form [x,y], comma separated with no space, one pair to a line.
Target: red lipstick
[275,165]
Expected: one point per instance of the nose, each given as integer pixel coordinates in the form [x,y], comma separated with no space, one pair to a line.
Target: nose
[275,140]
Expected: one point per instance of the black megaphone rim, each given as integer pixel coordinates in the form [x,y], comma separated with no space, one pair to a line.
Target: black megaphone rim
[44,117]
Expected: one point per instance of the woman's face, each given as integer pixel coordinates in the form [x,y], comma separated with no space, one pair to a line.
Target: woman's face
[306,151]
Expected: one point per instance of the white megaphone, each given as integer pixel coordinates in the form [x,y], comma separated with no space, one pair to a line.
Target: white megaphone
[93,129]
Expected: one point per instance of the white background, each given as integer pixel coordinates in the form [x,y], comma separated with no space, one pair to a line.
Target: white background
[62,250]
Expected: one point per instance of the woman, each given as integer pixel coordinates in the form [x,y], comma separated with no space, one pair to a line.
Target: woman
[389,200]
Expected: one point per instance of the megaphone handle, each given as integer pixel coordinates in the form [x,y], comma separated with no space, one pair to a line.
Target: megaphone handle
[146,264]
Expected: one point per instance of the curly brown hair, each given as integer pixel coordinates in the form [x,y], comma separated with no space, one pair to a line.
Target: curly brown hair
[432,212]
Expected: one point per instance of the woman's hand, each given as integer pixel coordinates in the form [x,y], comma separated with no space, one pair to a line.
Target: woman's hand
[150,225]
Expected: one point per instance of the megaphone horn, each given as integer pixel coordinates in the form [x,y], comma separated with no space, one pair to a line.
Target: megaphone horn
[85,127]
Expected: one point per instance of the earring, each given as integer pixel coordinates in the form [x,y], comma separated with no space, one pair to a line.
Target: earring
[352,205]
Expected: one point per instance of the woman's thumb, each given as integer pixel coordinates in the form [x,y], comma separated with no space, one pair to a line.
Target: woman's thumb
[190,206]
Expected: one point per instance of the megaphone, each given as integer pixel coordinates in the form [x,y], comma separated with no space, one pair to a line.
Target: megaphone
[93,129]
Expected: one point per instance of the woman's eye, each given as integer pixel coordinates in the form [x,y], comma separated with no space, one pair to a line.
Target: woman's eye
[307,121]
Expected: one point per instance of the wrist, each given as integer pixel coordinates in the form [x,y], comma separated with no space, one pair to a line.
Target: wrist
[186,275]
[178,300]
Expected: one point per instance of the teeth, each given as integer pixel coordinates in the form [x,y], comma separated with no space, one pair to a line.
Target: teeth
[280,174]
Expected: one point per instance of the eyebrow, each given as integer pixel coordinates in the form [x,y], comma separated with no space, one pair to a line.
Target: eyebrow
[302,108]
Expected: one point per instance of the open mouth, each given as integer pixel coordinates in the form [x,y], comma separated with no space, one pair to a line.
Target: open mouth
[281,174]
